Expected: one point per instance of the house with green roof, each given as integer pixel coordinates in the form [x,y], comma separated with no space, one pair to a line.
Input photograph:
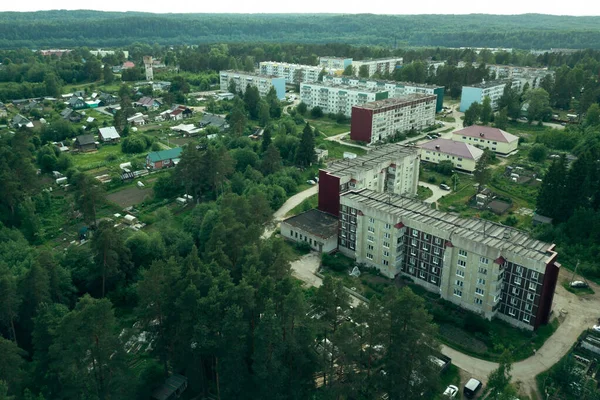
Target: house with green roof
[163,158]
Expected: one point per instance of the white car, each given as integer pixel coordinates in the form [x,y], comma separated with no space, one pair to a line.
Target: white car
[451,391]
[596,328]
[578,284]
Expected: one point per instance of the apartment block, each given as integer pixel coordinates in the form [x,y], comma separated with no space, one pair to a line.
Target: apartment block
[488,268]
[487,137]
[291,72]
[531,75]
[379,120]
[395,89]
[387,169]
[463,156]
[338,99]
[264,83]
[332,64]
[492,89]
[380,65]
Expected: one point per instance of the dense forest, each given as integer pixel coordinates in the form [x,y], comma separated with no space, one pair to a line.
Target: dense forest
[91,28]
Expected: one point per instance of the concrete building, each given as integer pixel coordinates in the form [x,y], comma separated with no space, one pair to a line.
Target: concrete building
[389,169]
[379,120]
[338,99]
[264,83]
[291,72]
[487,137]
[531,75]
[492,89]
[395,89]
[462,155]
[317,228]
[148,68]
[488,268]
[333,64]
[380,65]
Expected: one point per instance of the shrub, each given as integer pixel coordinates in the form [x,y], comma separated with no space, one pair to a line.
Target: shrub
[337,262]
[316,112]
[474,324]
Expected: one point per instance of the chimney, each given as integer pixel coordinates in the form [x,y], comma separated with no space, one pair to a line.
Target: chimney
[481,134]
[437,146]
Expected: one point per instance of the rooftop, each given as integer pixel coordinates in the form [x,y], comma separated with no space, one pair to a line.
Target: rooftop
[289,64]
[397,101]
[343,87]
[487,132]
[380,81]
[109,133]
[165,154]
[453,148]
[373,158]
[489,233]
[246,73]
[85,139]
[316,222]
[489,84]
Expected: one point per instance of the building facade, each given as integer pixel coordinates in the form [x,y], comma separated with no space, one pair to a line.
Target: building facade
[337,99]
[316,228]
[380,65]
[492,89]
[292,73]
[488,268]
[333,64]
[463,156]
[263,83]
[487,137]
[390,169]
[379,120]
[394,89]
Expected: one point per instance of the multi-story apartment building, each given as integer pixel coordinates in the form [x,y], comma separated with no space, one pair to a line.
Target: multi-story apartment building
[338,99]
[492,89]
[293,73]
[333,64]
[487,137]
[388,169]
[395,89]
[381,65]
[488,268]
[264,83]
[463,156]
[531,75]
[379,120]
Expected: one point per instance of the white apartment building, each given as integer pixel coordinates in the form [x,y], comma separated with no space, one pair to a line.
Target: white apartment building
[488,268]
[531,75]
[337,99]
[379,120]
[381,65]
[478,92]
[333,64]
[394,89]
[308,73]
[264,83]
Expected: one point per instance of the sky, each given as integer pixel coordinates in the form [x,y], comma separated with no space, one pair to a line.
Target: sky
[555,7]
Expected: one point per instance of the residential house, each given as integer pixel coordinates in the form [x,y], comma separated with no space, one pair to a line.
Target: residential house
[148,103]
[486,137]
[70,115]
[463,156]
[20,121]
[163,158]
[107,99]
[3,110]
[85,143]
[109,135]
[137,119]
[76,103]
[180,112]
[127,65]
[214,120]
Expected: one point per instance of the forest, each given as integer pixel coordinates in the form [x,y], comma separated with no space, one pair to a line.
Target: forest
[92,28]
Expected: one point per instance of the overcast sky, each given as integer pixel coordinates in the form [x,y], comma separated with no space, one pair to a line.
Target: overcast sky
[556,7]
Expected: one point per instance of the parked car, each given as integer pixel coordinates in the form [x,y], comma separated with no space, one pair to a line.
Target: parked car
[311,182]
[444,186]
[578,284]
[471,388]
[596,328]
[451,391]
[429,137]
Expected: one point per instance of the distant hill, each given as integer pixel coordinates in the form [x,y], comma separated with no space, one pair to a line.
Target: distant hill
[62,28]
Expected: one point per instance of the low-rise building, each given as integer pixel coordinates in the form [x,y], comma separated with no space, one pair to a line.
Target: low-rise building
[338,99]
[380,120]
[462,155]
[109,135]
[19,121]
[394,88]
[316,228]
[487,137]
[214,120]
[85,143]
[292,73]
[485,267]
[380,65]
[478,92]
[263,83]
[163,158]
[148,103]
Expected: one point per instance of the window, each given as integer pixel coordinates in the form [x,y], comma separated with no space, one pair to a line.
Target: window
[422,274]
[516,291]
[459,283]
[483,270]
[413,242]
[478,301]
[480,281]
[526,318]
[425,247]
[484,260]
[462,253]
[387,235]
[386,253]
[519,270]
[534,275]
[528,307]
[530,296]
[458,292]
[369,256]
[387,226]
[371,220]
[415,232]
[517,280]
[425,236]
[386,262]
[300,237]
[386,245]
[436,250]
[532,286]
[436,260]
[433,279]
[413,251]
[371,229]
[412,260]
[479,291]
[438,240]
[411,270]
[434,270]
[291,233]
[511,311]
[310,241]
[514,301]
[462,263]
[370,238]
[370,247]
[460,272]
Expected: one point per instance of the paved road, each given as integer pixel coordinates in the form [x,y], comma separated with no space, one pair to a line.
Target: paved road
[292,202]
[437,192]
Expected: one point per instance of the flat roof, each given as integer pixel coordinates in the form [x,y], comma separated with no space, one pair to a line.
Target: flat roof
[349,88]
[373,158]
[472,229]
[316,222]
[290,64]
[246,73]
[396,83]
[406,99]
[454,148]
[489,84]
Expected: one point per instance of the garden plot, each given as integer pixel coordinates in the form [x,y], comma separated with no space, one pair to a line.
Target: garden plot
[130,196]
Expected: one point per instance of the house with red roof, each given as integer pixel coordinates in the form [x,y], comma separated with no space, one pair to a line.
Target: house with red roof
[462,155]
[127,65]
[487,137]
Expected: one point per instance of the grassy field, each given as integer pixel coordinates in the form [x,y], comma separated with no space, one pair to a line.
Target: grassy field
[446,119]
[306,205]
[578,291]
[424,192]
[329,127]
[336,150]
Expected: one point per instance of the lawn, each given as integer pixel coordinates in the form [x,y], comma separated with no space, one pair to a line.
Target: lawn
[446,119]
[105,156]
[306,205]
[336,150]
[424,193]
[578,291]
[329,127]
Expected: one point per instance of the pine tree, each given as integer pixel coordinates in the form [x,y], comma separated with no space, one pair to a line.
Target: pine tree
[266,138]
[486,111]
[271,161]
[305,153]
[550,200]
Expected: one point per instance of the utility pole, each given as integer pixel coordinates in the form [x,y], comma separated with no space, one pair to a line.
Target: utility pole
[574,272]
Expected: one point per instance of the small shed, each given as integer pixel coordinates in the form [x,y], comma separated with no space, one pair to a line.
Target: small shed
[173,387]
[109,135]
[129,219]
[85,143]
[541,220]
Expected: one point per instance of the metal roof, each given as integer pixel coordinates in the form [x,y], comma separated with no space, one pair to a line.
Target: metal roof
[315,222]
[397,101]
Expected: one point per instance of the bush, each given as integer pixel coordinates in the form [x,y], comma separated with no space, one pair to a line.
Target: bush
[444,167]
[511,220]
[474,324]
[316,112]
[337,262]
[135,144]
[538,152]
